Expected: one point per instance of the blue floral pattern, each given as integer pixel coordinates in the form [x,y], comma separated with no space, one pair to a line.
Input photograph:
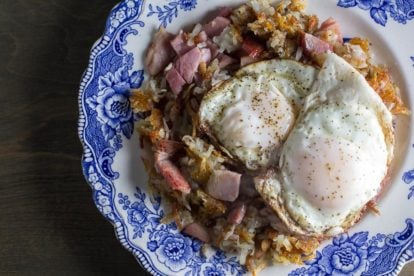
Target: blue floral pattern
[176,251]
[122,13]
[408,177]
[358,255]
[379,10]
[213,271]
[106,119]
[111,103]
[168,12]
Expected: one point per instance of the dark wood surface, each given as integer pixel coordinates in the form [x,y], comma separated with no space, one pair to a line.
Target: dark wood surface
[48,222]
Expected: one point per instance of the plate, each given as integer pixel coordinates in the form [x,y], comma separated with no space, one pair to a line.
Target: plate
[113,168]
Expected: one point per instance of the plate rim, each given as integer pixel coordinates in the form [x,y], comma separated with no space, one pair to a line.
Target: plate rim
[99,44]
[139,254]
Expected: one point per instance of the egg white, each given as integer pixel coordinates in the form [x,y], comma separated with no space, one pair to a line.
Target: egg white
[251,114]
[338,152]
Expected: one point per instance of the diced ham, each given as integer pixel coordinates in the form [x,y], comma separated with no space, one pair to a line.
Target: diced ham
[225,60]
[160,52]
[252,48]
[216,26]
[246,60]
[172,176]
[187,64]
[175,81]
[197,231]
[205,55]
[224,185]
[179,44]
[169,147]
[333,26]
[213,48]
[313,46]
[225,11]
[329,23]
[237,213]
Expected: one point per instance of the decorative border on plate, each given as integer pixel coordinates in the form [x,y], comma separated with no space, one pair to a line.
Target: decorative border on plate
[168,12]
[358,255]
[400,11]
[106,83]
[97,170]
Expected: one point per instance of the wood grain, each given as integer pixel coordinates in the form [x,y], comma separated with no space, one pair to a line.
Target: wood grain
[48,222]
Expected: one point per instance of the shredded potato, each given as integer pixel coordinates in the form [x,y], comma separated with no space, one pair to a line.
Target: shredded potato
[152,126]
[379,79]
[363,43]
[141,100]
[205,157]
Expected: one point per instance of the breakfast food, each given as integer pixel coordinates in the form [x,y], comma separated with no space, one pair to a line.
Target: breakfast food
[255,125]
[327,174]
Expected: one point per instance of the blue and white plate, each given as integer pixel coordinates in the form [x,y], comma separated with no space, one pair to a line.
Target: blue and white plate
[111,155]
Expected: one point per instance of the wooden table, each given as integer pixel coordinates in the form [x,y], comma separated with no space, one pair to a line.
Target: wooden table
[48,222]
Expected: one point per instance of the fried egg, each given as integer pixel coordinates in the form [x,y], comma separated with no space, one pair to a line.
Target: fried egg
[251,114]
[335,157]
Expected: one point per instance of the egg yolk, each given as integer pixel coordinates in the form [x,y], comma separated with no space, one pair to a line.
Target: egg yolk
[330,173]
[257,119]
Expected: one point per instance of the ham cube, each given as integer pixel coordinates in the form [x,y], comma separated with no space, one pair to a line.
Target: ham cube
[216,26]
[237,213]
[205,55]
[172,174]
[197,231]
[252,48]
[187,64]
[224,185]
[314,46]
[175,81]
[225,60]
[224,11]
[179,44]
[331,25]
[160,53]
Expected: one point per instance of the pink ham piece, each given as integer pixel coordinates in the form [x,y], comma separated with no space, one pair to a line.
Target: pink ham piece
[246,60]
[175,81]
[197,231]
[179,44]
[202,37]
[313,46]
[160,53]
[225,60]
[225,11]
[213,48]
[205,55]
[187,64]
[237,214]
[224,185]
[252,48]
[332,25]
[169,147]
[216,26]
[172,175]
